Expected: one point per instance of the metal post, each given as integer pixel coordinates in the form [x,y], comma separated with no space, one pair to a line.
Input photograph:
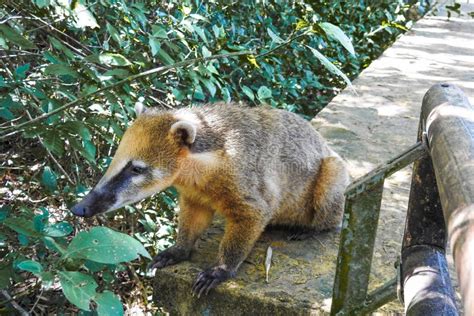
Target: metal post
[356,250]
[448,119]
[425,284]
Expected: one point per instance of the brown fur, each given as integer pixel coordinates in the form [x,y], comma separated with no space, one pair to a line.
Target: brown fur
[254,166]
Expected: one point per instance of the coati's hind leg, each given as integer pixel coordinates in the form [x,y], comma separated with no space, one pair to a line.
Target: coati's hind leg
[192,222]
[328,199]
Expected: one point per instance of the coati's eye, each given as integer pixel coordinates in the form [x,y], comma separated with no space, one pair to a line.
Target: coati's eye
[138,170]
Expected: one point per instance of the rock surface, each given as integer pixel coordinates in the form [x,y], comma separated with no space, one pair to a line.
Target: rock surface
[366,129]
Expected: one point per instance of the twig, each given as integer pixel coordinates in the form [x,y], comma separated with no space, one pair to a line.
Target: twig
[283,44]
[51,155]
[64,34]
[6,133]
[11,18]
[37,300]
[14,304]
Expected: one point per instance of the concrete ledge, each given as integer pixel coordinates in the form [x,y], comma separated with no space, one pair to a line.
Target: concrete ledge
[300,279]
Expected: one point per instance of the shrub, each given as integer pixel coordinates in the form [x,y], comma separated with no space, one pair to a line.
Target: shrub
[71,73]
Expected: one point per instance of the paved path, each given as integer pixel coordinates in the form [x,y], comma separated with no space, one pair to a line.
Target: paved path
[382,120]
[367,130]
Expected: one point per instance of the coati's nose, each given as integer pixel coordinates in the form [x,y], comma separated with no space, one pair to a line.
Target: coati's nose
[80,210]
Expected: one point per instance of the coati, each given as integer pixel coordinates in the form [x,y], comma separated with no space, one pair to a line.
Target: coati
[255,166]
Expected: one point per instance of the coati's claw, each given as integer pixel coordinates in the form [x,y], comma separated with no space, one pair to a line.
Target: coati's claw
[210,278]
[170,256]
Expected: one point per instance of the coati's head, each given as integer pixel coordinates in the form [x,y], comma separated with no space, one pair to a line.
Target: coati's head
[146,162]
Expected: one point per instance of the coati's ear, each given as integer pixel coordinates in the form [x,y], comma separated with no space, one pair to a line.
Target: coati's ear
[184,130]
[140,108]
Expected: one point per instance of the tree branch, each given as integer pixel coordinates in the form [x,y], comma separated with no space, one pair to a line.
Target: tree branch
[18,128]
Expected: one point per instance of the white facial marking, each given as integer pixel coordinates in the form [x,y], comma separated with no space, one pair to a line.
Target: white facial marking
[158,174]
[138,179]
[139,163]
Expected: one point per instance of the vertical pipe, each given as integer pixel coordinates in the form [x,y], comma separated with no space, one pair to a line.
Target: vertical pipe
[448,119]
[356,247]
[426,286]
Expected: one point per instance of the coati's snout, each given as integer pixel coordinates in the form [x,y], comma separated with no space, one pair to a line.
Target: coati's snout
[93,203]
[146,162]
[126,185]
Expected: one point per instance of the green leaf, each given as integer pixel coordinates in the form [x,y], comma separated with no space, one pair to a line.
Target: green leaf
[111,59]
[49,179]
[206,52]
[330,66]
[6,114]
[58,229]
[209,86]
[40,220]
[275,38]
[264,93]
[16,38]
[42,3]
[78,128]
[4,211]
[119,73]
[30,266]
[113,33]
[248,92]
[22,226]
[51,244]
[159,31]
[165,57]
[154,45]
[60,70]
[5,275]
[53,142]
[337,34]
[59,46]
[104,245]
[79,288]
[20,71]
[108,304]
[89,151]
[84,18]
[47,279]
[200,32]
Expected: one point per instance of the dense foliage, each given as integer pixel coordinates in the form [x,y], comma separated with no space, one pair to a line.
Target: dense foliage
[70,74]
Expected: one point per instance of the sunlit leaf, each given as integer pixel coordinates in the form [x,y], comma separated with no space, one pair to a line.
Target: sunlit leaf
[111,59]
[104,245]
[330,66]
[108,304]
[277,39]
[264,93]
[30,266]
[49,179]
[84,18]
[248,92]
[61,229]
[336,33]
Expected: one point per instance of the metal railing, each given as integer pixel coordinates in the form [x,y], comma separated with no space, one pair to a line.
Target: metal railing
[441,195]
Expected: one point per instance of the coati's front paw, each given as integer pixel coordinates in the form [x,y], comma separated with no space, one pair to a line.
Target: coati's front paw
[210,278]
[170,256]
